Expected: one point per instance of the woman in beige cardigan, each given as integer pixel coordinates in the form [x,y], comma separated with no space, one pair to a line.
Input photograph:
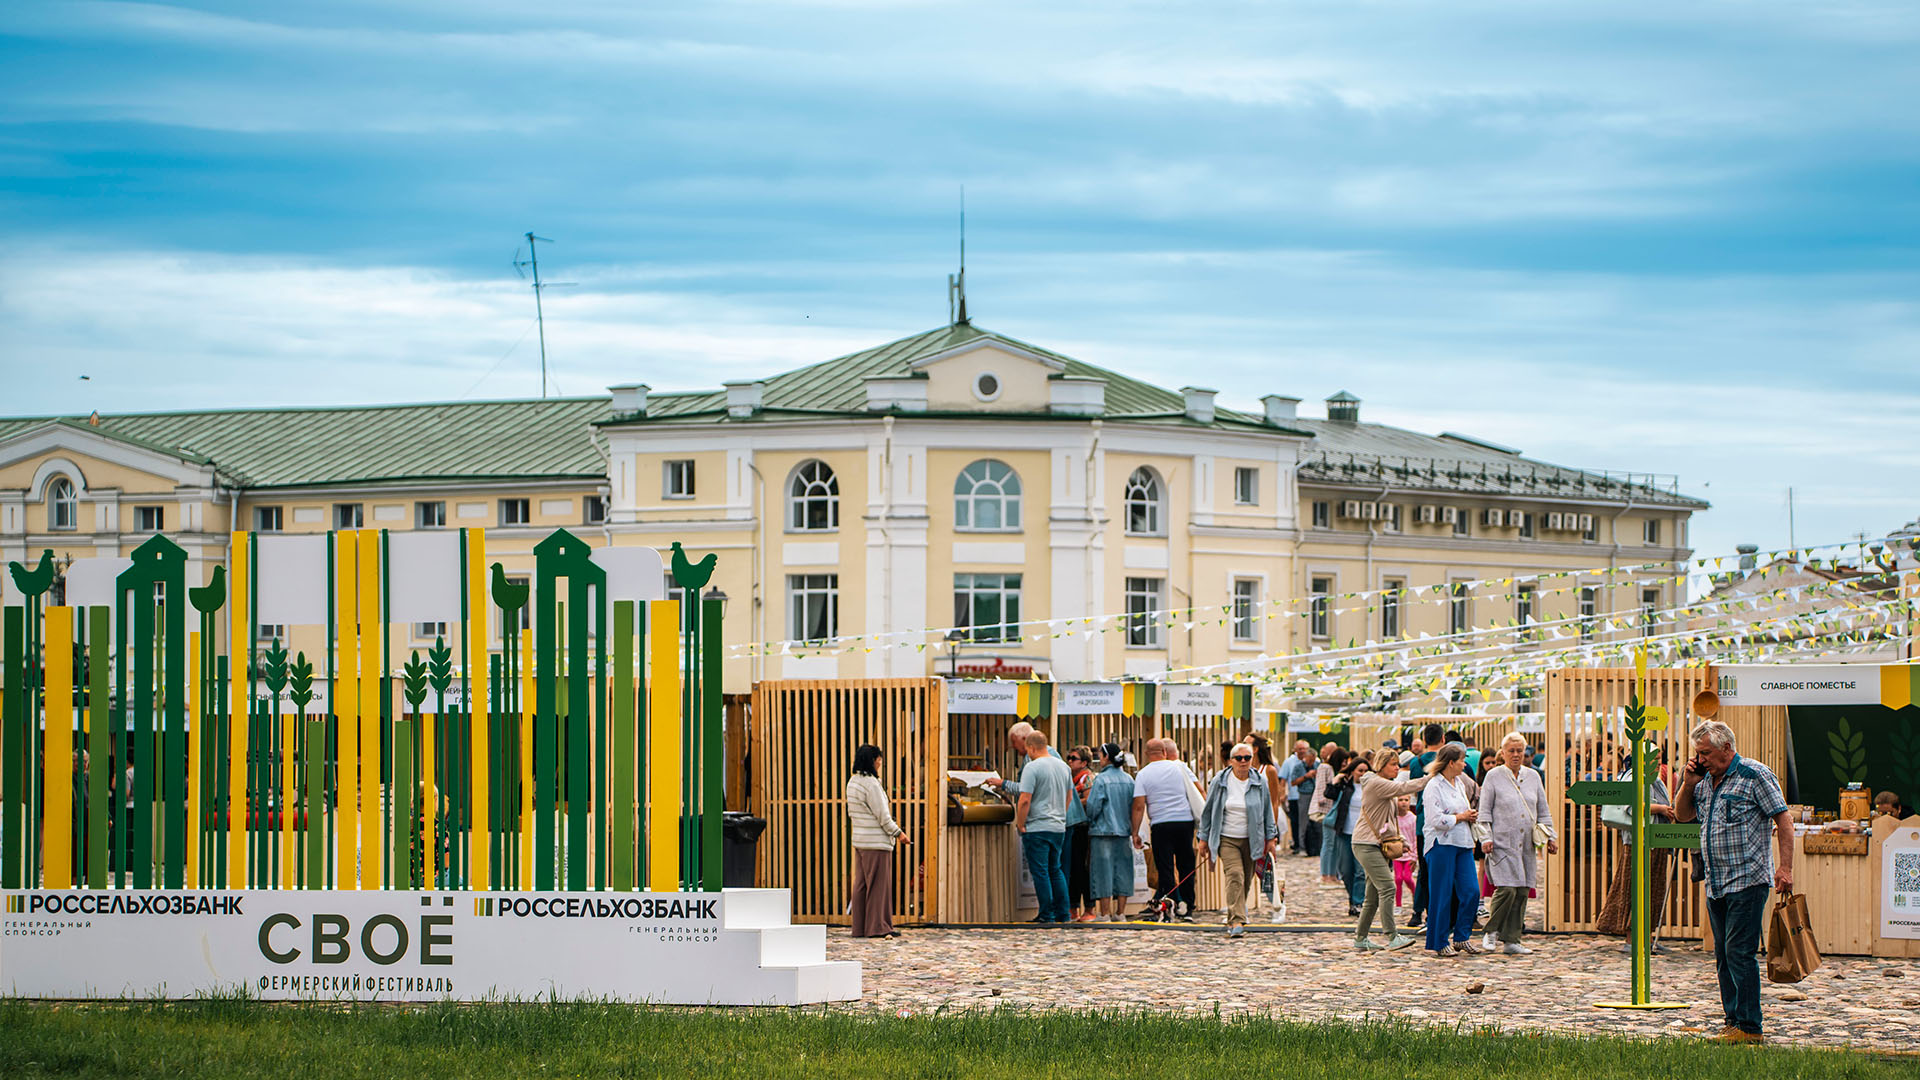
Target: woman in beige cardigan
[875,834]
[1380,792]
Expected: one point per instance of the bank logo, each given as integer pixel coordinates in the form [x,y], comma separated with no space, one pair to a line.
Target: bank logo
[16,905]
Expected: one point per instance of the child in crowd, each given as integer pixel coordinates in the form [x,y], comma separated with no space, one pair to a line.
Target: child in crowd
[1403,866]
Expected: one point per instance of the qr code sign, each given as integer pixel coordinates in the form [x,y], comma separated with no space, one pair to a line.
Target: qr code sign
[1906,871]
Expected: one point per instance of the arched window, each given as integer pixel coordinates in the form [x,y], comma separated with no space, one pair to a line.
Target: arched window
[1143,503]
[987,497]
[813,499]
[63,504]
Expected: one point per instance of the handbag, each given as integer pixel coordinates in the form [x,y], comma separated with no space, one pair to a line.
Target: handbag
[1393,846]
[1792,953]
[1542,834]
[1482,833]
[1617,816]
[1194,802]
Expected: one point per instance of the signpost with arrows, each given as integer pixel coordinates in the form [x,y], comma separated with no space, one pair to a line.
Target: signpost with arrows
[1642,720]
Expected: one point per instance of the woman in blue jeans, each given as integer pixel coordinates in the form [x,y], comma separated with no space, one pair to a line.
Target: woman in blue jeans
[1453,886]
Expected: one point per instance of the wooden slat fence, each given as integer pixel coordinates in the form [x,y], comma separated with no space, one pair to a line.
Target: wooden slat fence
[804,735]
[1586,709]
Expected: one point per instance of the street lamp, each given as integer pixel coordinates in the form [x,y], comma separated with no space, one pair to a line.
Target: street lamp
[714,594]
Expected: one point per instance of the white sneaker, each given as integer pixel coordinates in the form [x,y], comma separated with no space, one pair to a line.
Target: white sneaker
[1515,949]
[1489,941]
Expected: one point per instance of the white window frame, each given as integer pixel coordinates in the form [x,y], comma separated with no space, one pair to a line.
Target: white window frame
[266,633]
[63,501]
[430,514]
[1246,485]
[269,519]
[986,484]
[969,587]
[1145,599]
[1527,531]
[158,515]
[1649,611]
[1146,492]
[677,478]
[1320,605]
[813,483]
[428,631]
[1526,610]
[593,509]
[811,596]
[1459,607]
[1650,532]
[1392,594]
[507,508]
[1322,514]
[1246,594]
[1589,600]
[1463,523]
[341,516]
[1591,534]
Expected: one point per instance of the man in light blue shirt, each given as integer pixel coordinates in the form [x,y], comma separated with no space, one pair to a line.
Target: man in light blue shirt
[1291,773]
[1046,786]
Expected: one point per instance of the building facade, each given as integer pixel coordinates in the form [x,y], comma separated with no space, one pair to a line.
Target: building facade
[956,500]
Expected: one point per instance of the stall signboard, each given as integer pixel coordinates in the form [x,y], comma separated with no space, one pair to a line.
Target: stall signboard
[380,945]
[1900,883]
[1090,699]
[983,698]
[1891,685]
[1189,699]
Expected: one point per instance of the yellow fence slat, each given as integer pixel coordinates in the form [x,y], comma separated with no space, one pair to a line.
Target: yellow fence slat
[56,850]
[479,839]
[238,635]
[663,747]
[346,710]
[372,640]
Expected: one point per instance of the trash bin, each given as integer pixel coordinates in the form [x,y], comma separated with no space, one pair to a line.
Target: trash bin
[742,838]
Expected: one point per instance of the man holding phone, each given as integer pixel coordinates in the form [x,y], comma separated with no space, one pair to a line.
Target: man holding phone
[1737,802]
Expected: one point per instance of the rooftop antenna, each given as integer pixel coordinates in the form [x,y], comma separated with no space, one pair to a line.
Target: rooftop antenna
[533,260]
[957,283]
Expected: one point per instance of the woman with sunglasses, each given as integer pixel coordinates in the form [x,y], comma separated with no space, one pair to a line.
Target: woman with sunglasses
[1237,827]
[1079,851]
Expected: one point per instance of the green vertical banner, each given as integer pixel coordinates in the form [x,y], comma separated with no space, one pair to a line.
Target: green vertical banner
[14,761]
[712,798]
[621,807]
[564,555]
[158,756]
[99,744]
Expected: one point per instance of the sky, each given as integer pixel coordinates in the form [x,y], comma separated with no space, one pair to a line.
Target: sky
[1664,238]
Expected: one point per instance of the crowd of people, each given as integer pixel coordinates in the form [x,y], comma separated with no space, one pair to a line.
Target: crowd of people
[1461,829]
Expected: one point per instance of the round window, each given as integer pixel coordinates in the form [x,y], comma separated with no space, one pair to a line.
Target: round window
[986,386]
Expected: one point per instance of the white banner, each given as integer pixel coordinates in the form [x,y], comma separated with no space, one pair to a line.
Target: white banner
[92,581]
[1088,699]
[1900,884]
[424,576]
[663,948]
[633,573]
[290,578]
[987,698]
[1799,684]
[1188,699]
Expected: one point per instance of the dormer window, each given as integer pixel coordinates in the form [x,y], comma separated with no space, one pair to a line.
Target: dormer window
[63,505]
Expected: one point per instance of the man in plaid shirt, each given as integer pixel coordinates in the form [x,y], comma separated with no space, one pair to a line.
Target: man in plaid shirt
[1737,801]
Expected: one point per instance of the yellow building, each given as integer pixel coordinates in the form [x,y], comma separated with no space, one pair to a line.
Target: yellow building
[954,478]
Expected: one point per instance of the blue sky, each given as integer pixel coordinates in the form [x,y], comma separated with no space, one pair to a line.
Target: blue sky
[1676,238]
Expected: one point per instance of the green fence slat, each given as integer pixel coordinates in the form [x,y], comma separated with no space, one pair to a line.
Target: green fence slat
[13,747]
[405,798]
[620,751]
[579,774]
[99,744]
[712,801]
[173,761]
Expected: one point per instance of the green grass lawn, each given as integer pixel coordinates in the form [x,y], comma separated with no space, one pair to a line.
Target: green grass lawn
[236,1038]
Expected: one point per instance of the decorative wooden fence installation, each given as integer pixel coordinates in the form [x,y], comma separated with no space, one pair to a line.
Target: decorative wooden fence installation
[138,753]
[805,731]
[1585,724]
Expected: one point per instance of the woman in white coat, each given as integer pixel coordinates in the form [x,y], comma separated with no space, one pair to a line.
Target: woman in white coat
[1513,804]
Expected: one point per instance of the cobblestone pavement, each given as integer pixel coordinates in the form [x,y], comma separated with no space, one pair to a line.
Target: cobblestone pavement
[1285,970]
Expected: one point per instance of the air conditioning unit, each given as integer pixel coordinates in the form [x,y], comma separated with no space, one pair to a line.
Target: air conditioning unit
[1586,523]
[1493,517]
[1426,515]
[1450,514]
[1556,521]
[1350,508]
[1370,510]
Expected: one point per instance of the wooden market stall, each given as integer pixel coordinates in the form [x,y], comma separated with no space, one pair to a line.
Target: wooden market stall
[954,871]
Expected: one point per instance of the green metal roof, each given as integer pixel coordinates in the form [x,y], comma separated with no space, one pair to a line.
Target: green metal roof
[298,447]
[837,386]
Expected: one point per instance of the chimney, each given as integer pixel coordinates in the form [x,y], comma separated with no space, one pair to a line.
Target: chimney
[1748,557]
[1344,407]
[1076,395]
[1199,403]
[1281,409]
[629,400]
[743,398]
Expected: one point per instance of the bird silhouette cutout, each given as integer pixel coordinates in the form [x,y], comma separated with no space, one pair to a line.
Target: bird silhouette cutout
[208,598]
[692,575]
[32,583]
[506,594]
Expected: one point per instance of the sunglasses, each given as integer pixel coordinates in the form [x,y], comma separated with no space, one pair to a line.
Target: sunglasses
[1243,757]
